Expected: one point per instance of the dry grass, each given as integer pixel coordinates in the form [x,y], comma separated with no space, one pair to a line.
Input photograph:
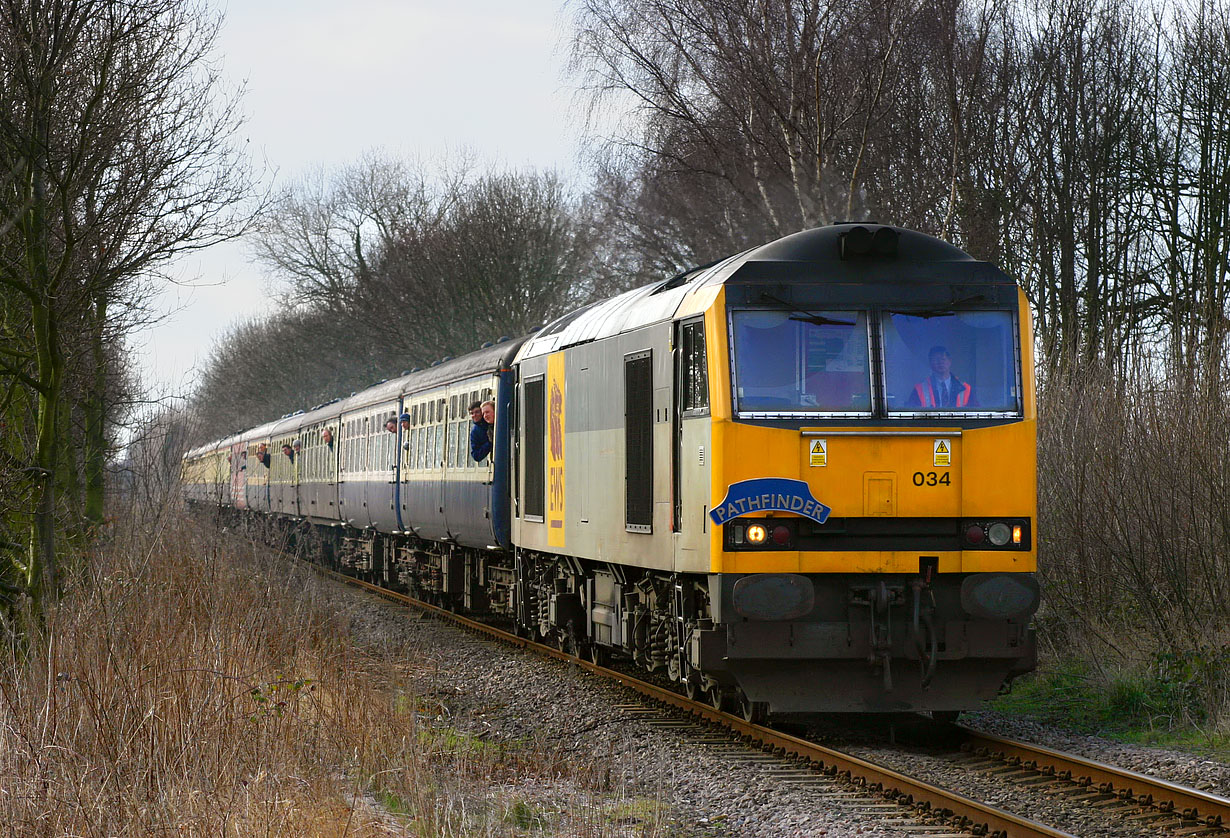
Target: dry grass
[186,686]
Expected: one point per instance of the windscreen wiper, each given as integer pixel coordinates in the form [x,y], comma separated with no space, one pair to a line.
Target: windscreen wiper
[812,317]
[928,313]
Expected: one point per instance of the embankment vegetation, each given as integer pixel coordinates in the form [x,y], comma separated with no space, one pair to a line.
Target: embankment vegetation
[192,683]
[1134,508]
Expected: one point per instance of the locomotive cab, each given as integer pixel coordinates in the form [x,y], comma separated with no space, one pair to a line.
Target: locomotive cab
[873,479]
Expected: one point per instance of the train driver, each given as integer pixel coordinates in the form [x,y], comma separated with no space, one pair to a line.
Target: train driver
[941,389]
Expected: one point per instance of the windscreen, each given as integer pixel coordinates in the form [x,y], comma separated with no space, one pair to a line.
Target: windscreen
[801,362]
[958,362]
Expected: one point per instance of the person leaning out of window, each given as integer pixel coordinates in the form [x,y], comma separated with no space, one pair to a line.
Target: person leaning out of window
[480,433]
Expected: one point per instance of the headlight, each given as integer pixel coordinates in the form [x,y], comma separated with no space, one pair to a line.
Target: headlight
[756,534]
[999,533]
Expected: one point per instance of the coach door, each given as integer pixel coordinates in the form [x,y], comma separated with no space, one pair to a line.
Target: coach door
[382,488]
[690,452]
[350,491]
[239,475]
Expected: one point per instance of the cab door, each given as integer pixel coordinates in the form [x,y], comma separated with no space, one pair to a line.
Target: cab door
[690,451]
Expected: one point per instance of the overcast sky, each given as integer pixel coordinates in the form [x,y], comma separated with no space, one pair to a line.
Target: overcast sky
[328,81]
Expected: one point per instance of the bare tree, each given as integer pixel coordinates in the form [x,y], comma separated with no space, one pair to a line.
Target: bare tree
[322,233]
[432,272]
[758,120]
[114,112]
[512,253]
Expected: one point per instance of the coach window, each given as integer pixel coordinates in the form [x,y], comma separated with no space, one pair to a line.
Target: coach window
[801,362]
[951,363]
[385,460]
[361,450]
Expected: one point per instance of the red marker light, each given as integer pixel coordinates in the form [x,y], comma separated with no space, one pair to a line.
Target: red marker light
[974,534]
[781,535]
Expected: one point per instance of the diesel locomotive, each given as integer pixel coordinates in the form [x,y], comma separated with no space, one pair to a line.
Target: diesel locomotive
[800,480]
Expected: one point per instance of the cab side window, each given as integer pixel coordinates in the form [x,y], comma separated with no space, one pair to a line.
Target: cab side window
[694,371]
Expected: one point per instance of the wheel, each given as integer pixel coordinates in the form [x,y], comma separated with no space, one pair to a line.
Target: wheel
[566,643]
[718,698]
[597,655]
[693,689]
[753,712]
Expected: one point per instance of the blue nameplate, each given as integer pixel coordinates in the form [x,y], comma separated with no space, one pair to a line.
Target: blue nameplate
[769,494]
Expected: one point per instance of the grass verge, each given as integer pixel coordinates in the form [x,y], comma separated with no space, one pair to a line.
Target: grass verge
[1150,705]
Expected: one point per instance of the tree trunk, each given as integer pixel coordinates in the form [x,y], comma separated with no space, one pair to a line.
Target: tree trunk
[41,568]
[94,408]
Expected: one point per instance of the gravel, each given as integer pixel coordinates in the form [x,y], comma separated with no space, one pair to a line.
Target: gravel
[484,688]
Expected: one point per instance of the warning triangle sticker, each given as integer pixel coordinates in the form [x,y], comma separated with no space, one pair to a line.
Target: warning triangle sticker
[941,447]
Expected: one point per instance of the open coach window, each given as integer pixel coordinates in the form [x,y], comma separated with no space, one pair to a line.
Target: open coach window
[960,362]
[789,362]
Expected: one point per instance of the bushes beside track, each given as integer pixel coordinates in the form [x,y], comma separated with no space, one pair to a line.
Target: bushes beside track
[1134,547]
[188,685]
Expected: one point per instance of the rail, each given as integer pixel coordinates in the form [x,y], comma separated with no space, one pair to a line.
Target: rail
[1196,807]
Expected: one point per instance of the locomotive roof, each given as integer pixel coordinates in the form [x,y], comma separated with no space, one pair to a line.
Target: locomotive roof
[810,256]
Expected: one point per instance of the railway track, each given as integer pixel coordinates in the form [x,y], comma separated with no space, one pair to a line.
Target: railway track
[885,793]
[1159,803]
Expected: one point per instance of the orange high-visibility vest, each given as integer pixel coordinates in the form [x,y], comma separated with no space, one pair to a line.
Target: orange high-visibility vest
[926,397]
